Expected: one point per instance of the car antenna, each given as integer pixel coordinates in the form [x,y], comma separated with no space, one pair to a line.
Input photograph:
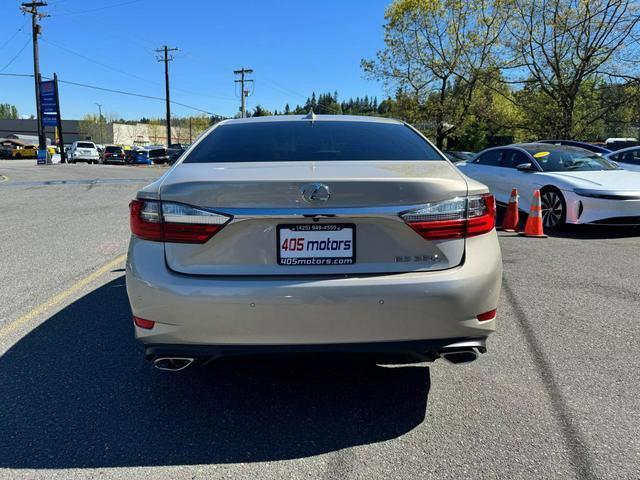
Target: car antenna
[310,116]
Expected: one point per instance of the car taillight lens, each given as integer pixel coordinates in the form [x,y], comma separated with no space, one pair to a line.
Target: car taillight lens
[459,217]
[490,315]
[173,222]
[142,323]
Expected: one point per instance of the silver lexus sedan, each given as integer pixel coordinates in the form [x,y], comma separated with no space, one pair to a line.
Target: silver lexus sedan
[309,234]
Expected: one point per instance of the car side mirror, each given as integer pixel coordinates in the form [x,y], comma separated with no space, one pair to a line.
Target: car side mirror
[526,167]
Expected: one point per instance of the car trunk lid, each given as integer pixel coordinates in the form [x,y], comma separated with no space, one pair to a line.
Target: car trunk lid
[268,205]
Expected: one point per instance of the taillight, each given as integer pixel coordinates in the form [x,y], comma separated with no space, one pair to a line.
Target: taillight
[142,323]
[490,315]
[173,222]
[458,217]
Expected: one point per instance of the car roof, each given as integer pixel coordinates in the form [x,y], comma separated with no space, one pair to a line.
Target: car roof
[536,146]
[306,118]
[623,150]
[577,143]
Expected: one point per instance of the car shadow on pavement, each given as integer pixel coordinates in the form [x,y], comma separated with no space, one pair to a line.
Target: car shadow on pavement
[594,232]
[76,393]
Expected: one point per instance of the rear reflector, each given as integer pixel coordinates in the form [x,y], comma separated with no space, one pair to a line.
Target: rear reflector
[142,323]
[490,315]
[459,217]
[174,222]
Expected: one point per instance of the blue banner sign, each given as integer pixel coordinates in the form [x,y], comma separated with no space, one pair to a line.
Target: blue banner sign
[42,157]
[48,103]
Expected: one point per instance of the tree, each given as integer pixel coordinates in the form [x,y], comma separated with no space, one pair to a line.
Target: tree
[259,111]
[564,52]
[8,111]
[436,54]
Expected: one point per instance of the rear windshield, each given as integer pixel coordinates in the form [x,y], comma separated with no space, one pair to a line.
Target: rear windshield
[113,149]
[311,141]
[85,145]
[158,152]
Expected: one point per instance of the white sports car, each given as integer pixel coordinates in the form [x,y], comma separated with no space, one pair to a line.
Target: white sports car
[627,158]
[576,186]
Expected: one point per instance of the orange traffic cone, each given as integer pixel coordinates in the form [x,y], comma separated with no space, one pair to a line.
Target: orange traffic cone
[533,227]
[511,222]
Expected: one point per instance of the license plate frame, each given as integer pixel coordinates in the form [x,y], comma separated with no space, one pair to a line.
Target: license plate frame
[316,260]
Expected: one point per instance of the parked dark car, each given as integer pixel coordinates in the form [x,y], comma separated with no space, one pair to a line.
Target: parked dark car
[6,151]
[457,156]
[175,150]
[575,143]
[113,154]
[157,154]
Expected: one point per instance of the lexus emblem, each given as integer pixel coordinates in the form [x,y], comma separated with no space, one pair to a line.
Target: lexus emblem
[315,192]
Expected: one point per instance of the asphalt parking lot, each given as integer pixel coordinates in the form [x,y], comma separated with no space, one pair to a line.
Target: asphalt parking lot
[558,395]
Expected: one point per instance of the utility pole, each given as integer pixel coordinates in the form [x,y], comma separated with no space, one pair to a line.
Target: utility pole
[166,59]
[100,121]
[32,8]
[243,93]
[63,154]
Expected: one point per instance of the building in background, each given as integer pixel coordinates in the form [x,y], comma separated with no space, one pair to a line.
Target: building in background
[104,133]
[22,129]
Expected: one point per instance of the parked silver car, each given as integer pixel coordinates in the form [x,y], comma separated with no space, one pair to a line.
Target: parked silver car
[296,234]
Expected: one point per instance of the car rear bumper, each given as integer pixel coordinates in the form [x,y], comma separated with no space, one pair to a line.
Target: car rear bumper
[276,311]
[163,159]
[389,352]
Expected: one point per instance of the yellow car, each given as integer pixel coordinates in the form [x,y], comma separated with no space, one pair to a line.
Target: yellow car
[30,151]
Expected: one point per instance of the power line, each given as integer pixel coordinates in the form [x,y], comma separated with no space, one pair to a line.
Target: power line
[121,92]
[105,7]
[17,75]
[97,62]
[133,94]
[14,35]
[124,72]
[16,55]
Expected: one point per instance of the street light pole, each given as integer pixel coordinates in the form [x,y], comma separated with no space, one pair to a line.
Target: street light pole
[100,120]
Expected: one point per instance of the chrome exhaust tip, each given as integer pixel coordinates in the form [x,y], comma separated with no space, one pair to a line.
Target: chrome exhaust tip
[172,364]
[461,356]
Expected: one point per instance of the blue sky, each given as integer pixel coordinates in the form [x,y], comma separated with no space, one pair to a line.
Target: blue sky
[294,47]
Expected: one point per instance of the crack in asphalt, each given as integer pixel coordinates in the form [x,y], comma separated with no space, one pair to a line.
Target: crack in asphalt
[576,445]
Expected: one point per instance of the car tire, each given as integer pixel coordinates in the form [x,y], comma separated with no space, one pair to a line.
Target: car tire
[554,208]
